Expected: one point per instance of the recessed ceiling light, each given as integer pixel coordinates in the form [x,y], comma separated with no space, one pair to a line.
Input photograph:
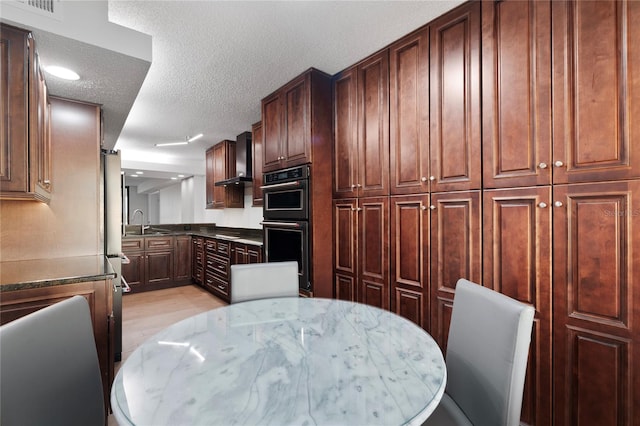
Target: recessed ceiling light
[134,175]
[180,176]
[198,136]
[62,72]
[139,172]
[174,178]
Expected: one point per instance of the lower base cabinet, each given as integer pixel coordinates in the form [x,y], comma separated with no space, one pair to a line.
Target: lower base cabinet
[99,294]
[157,262]
[212,259]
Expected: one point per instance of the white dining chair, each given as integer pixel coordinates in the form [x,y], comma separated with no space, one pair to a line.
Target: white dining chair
[486,359]
[264,280]
[49,367]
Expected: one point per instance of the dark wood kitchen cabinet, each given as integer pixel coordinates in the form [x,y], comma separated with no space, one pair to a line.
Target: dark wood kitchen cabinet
[516,93]
[256,147]
[25,165]
[455,120]
[242,254]
[182,259]
[362,250]
[296,122]
[152,263]
[221,165]
[596,90]
[517,262]
[197,259]
[410,295]
[456,252]
[596,316]
[361,129]
[409,114]
[217,263]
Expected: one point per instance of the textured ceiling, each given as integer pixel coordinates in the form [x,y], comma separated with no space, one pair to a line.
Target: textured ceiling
[214,61]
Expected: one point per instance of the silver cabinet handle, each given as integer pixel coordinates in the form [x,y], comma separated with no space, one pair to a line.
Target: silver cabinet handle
[558,204]
[542,205]
[423,207]
[542,165]
[432,178]
[432,207]
[423,178]
[359,209]
[558,163]
[353,186]
[359,186]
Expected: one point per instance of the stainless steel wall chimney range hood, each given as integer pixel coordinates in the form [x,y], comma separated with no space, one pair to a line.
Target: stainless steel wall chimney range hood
[244,164]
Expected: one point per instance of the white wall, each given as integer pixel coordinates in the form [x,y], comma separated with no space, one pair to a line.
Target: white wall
[185,202]
[138,201]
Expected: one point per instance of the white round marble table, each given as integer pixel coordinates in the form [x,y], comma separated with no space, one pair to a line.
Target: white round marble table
[288,361]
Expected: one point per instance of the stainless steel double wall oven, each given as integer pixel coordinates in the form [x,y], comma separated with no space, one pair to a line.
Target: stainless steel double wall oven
[286,219]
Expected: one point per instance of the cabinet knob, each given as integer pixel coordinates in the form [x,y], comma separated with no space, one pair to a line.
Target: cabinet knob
[423,207]
[542,165]
[353,185]
[423,178]
[359,209]
[558,204]
[359,186]
[432,178]
[558,163]
[432,207]
[542,205]
[47,182]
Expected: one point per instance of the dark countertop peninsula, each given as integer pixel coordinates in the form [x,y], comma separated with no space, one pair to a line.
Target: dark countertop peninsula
[39,273]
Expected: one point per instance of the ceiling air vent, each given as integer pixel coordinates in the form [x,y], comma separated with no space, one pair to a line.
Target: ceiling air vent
[43,7]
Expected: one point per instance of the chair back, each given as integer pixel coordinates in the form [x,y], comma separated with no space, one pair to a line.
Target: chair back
[264,280]
[50,370]
[487,354]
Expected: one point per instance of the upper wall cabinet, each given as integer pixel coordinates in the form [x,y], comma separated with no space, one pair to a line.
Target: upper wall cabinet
[256,147]
[25,147]
[361,129]
[516,93]
[455,100]
[409,113]
[596,90]
[221,165]
[294,119]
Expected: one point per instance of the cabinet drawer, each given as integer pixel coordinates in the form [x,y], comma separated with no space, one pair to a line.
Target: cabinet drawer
[223,248]
[217,285]
[218,266]
[132,244]
[210,246]
[159,243]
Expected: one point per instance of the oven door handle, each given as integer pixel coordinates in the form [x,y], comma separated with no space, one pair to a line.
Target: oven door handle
[282,224]
[281,185]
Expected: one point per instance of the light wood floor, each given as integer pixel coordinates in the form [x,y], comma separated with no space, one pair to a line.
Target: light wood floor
[145,314]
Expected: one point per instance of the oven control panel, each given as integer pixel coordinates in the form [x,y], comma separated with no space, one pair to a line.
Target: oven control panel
[286,175]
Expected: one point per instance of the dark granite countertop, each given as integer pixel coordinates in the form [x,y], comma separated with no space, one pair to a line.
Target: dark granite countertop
[242,237]
[38,273]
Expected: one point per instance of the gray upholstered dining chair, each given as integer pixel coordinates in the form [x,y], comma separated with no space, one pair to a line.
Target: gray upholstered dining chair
[486,359]
[264,280]
[50,370]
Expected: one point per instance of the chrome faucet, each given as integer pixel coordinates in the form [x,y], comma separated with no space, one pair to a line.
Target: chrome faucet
[142,226]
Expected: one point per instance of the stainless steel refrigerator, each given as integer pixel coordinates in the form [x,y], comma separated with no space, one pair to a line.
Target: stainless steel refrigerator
[113,190]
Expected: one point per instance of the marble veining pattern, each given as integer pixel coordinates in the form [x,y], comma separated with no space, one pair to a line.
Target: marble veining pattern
[283,361]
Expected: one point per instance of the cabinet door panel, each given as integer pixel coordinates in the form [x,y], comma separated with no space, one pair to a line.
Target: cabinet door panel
[296,121]
[133,272]
[410,258]
[256,148]
[456,250]
[209,164]
[596,99]
[373,250]
[517,262]
[272,132]
[596,316]
[373,124]
[516,93]
[159,267]
[455,100]
[409,112]
[182,258]
[345,128]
